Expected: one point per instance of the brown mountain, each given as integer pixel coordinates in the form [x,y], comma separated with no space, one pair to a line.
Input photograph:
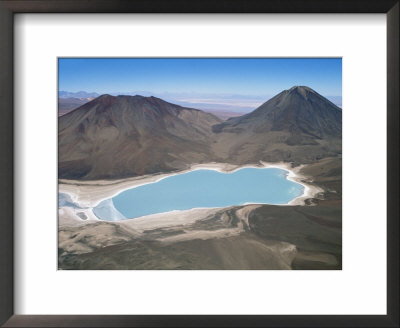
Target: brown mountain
[296,125]
[117,137]
[299,110]
[125,136]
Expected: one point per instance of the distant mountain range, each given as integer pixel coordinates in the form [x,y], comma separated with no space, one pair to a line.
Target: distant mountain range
[68,101]
[79,94]
[65,105]
[122,136]
[222,105]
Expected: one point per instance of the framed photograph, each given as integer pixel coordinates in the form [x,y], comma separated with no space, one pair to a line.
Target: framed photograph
[190,176]
[199,164]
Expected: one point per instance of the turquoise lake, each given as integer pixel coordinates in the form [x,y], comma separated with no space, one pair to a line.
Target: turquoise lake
[202,188]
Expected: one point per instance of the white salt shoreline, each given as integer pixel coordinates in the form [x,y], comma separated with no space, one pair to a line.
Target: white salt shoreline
[89,194]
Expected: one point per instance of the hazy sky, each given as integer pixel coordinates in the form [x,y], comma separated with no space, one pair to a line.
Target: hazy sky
[253,76]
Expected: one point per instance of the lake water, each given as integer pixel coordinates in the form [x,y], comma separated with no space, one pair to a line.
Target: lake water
[202,188]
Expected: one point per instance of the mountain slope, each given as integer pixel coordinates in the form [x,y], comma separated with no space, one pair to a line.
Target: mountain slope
[297,110]
[117,137]
[124,136]
[296,125]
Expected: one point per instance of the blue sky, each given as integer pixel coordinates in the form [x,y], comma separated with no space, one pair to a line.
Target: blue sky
[244,81]
[255,76]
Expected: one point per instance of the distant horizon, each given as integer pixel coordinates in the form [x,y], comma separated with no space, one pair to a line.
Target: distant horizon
[241,82]
[218,102]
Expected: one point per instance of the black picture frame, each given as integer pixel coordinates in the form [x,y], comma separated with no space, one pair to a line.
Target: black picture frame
[10,7]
